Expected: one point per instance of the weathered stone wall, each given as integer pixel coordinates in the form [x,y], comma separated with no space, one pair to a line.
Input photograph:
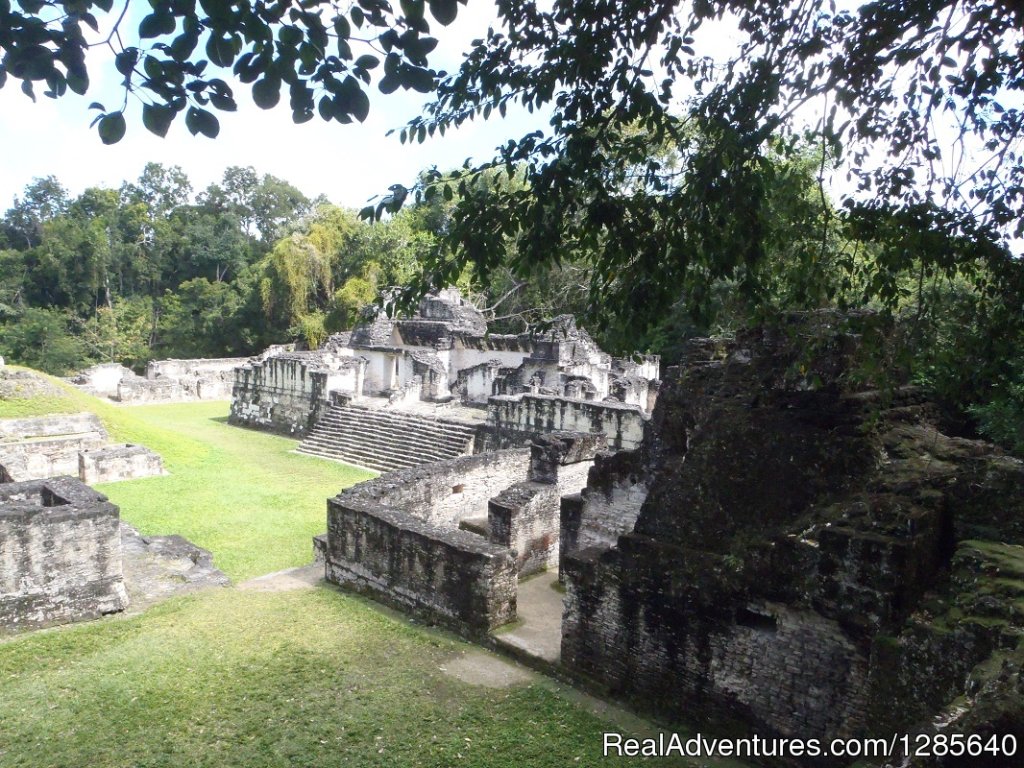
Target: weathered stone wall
[114,463]
[446,492]
[451,576]
[515,418]
[47,446]
[525,517]
[102,379]
[788,531]
[608,506]
[60,554]
[285,393]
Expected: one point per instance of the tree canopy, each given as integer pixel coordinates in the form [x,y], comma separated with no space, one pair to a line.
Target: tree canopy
[919,99]
[674,179]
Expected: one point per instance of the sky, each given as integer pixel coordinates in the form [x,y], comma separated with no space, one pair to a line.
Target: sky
[347,163]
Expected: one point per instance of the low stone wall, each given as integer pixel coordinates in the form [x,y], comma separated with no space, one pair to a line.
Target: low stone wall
[446,492]
[452,576]
[46,446]
[118,462]
[61,554]
[514,419]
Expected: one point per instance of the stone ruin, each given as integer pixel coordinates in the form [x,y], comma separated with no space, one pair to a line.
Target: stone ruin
[69,444]
[441,377]
[450,540]
[784,551]
[165,380]
[60,554]
[65,556]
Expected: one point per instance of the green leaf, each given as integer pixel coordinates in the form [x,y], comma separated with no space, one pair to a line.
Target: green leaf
[157,24]
[221,50]
[201,121]
[388,84]
[290,36]
[157,118]
[360,105]
[112,127]
[444,11]
[266,92]
[126,60]
[223,101]
[367,61]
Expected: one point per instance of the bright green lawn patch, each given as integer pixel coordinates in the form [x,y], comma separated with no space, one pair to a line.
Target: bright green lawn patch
[241,494]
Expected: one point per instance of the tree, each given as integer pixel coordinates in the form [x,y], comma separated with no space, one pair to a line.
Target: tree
[160,188]
[874,84]
[43,200]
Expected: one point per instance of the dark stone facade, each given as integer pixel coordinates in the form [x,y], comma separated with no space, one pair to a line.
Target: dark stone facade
[790,565]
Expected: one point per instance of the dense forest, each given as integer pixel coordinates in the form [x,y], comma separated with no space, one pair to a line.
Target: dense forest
[155,270]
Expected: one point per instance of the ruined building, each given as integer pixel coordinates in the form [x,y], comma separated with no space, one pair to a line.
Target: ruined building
[60,554]
[398,392]
[165,380]
[785,549]
[73,444]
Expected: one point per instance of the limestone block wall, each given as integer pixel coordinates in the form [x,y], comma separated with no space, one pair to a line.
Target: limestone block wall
[60,554]
[136,390]
[283,394]
[779,668]
[607,507]
[452,576]
[525,516]
[118,462]
[512,418]
[46,446]
[446,492]
[102,379]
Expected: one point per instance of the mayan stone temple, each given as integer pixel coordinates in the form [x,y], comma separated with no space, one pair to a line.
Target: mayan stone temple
[397,392]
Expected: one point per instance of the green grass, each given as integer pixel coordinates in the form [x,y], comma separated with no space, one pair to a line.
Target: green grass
[307,678]
[239,493]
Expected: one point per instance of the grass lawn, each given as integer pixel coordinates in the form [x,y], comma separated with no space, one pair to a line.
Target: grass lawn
[229,677]
[239,493]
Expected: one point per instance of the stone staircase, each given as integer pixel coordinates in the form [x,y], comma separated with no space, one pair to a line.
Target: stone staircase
[385,439]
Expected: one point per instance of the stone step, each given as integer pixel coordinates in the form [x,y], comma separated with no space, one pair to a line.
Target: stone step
[338,450]
[397,428]
[369,456]
[409,439]
[384,440]
[378,465]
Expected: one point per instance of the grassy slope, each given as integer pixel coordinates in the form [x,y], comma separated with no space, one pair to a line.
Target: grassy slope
[251,679]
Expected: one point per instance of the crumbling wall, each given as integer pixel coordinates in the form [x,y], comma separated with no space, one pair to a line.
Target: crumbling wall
[60,554]
[446,492]
[284,393]
[47,446]
[114,463]
[515,418]
[449,575]
[788,532]
[397,538]
[525,516]
[608,506]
